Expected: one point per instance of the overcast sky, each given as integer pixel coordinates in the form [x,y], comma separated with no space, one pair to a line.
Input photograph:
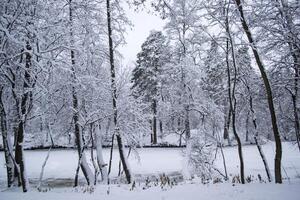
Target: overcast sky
[143,23]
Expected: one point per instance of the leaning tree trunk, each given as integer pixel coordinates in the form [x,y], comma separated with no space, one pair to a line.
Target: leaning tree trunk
[114,95]
[278,154]
[256,137]
[78,134]
[49,133]
[5,137]
[100,160]
[232,98]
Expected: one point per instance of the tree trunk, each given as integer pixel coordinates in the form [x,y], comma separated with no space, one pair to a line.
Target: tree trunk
[154,122]
[224,161]
[100,160]
[291,38]
[111,153]
[227,126]
[256,136]
[16,125]
[232,98]
[123,159]
[242,173]
[161,130]
[187,123]
[78,134]
[23,109]
[247,128]
[19,156]
[278,155]
[17,168]
[5,137]
[296,56]
[94,162]
[46,159]
[151,133]
[114,95]
[296,117]
[225,130]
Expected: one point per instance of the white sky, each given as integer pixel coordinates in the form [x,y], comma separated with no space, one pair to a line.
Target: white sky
[143,22]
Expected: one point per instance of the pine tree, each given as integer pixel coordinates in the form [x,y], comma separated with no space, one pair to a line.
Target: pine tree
[146,76]
[213,81]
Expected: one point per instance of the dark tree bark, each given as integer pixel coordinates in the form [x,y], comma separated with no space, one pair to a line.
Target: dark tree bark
[154,122]
[187,123]
[293,44]
[247,128]
[296,116]
[8,159]
[114,94]
[78,135]
[296,57]
[111,154]
[278,155]
[231,95]
[23,111]
[161,130]
[225,130]
[151,134]
[227,126]
[16,121]
[262,155]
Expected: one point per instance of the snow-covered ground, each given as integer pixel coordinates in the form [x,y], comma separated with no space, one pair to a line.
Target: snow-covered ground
[223,191]
[62,164]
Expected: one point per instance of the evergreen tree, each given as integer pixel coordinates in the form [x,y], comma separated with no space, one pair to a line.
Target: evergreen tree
[146,76]
[214,79]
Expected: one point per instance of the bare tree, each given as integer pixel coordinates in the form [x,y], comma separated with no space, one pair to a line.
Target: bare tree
[114,95]
[278,155]
[231,92]
[6,142]
[78,133]
[290,37]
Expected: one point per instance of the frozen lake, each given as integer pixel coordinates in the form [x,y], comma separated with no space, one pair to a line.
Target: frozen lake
[149,161]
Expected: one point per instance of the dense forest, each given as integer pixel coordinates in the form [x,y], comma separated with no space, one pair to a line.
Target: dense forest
[221,73]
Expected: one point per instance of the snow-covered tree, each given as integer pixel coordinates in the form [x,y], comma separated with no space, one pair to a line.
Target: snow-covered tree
[147,75]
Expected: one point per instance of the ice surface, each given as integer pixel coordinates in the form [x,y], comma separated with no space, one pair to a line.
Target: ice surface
[62,164]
